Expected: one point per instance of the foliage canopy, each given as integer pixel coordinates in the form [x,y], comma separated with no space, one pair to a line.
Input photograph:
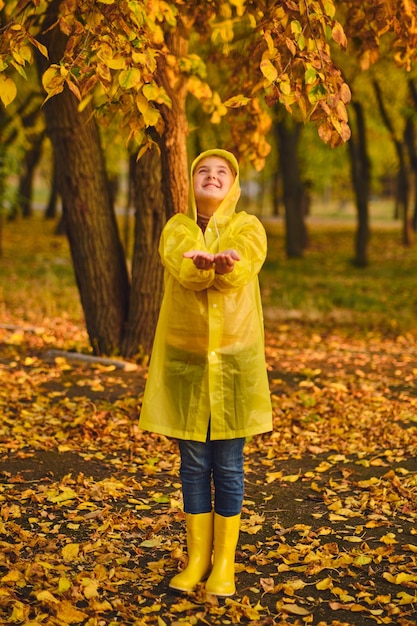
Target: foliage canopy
[271,52]
[114,52]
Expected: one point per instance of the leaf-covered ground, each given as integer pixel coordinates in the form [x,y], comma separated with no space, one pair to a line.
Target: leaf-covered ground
[91,527]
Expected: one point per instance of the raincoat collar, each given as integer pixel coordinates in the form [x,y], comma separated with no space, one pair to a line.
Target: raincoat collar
[228,205]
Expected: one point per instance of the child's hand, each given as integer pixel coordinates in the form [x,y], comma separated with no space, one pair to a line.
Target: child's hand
[202,260]
[225,261]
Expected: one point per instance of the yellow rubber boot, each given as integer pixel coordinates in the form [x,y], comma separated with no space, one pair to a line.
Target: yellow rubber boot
[199,546]
[221,581]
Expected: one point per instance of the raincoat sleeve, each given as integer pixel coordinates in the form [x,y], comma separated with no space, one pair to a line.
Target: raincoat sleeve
[249,240]
[181,234]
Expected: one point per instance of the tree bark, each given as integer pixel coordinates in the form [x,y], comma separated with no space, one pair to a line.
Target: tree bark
[173,142]
[296,236]
[51,207]
[96,250]
[31,160]
[403,187]
[160,189]
[360,169]
[147,271]
[116,320]
[410,140]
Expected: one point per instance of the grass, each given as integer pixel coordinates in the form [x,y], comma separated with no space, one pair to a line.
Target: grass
[323,291]
[37,280]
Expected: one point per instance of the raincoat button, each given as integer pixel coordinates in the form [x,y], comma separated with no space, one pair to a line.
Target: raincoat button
[214,306]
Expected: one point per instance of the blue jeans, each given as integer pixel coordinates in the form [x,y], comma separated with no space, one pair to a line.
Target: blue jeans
[218,461]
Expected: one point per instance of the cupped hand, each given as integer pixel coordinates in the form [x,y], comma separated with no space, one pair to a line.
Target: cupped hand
[224,262]
[202,260]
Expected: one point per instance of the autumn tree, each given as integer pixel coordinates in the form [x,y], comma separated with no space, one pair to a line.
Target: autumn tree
[374,29]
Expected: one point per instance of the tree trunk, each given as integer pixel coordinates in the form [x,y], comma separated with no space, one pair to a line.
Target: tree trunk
[51,207]
[410,140]
[147,271]
[403,187]
[31,160]
[296,236]
[160,190]
[113,323]
[97,253]
[360,178]
[173,143]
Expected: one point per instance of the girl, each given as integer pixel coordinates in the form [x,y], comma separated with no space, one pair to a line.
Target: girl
[207,384]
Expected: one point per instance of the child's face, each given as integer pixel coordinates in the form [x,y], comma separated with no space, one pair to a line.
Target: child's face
[212,181]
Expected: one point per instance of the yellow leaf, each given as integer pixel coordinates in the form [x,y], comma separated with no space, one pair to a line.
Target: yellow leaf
[338,387]
[64,584]
[19,613]
[326,583]
[183,605]
[50,76]
[158,94]
[12,577]
[46,596]
[23,54]
[237,101]
[323,467]
[325,530]
[362,559]
[62,496]
[42,49]
[16,338]
[149,113]
[329,8]
[294,609]
[251,530]
[90,589]
[410,546]
[74,88]
[69,614]
[285,87]
[405,578]
[151,543]
[268,70]
[291,478]
[70,551]
[406,598]
[338,35]
[342,594]
[293,585]
[271,476]
[53,81]
[130,78]
[389,577]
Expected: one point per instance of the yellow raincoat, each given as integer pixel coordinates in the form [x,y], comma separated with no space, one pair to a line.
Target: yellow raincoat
[207,369]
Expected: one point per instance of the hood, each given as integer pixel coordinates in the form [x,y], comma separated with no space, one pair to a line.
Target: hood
[228,205]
